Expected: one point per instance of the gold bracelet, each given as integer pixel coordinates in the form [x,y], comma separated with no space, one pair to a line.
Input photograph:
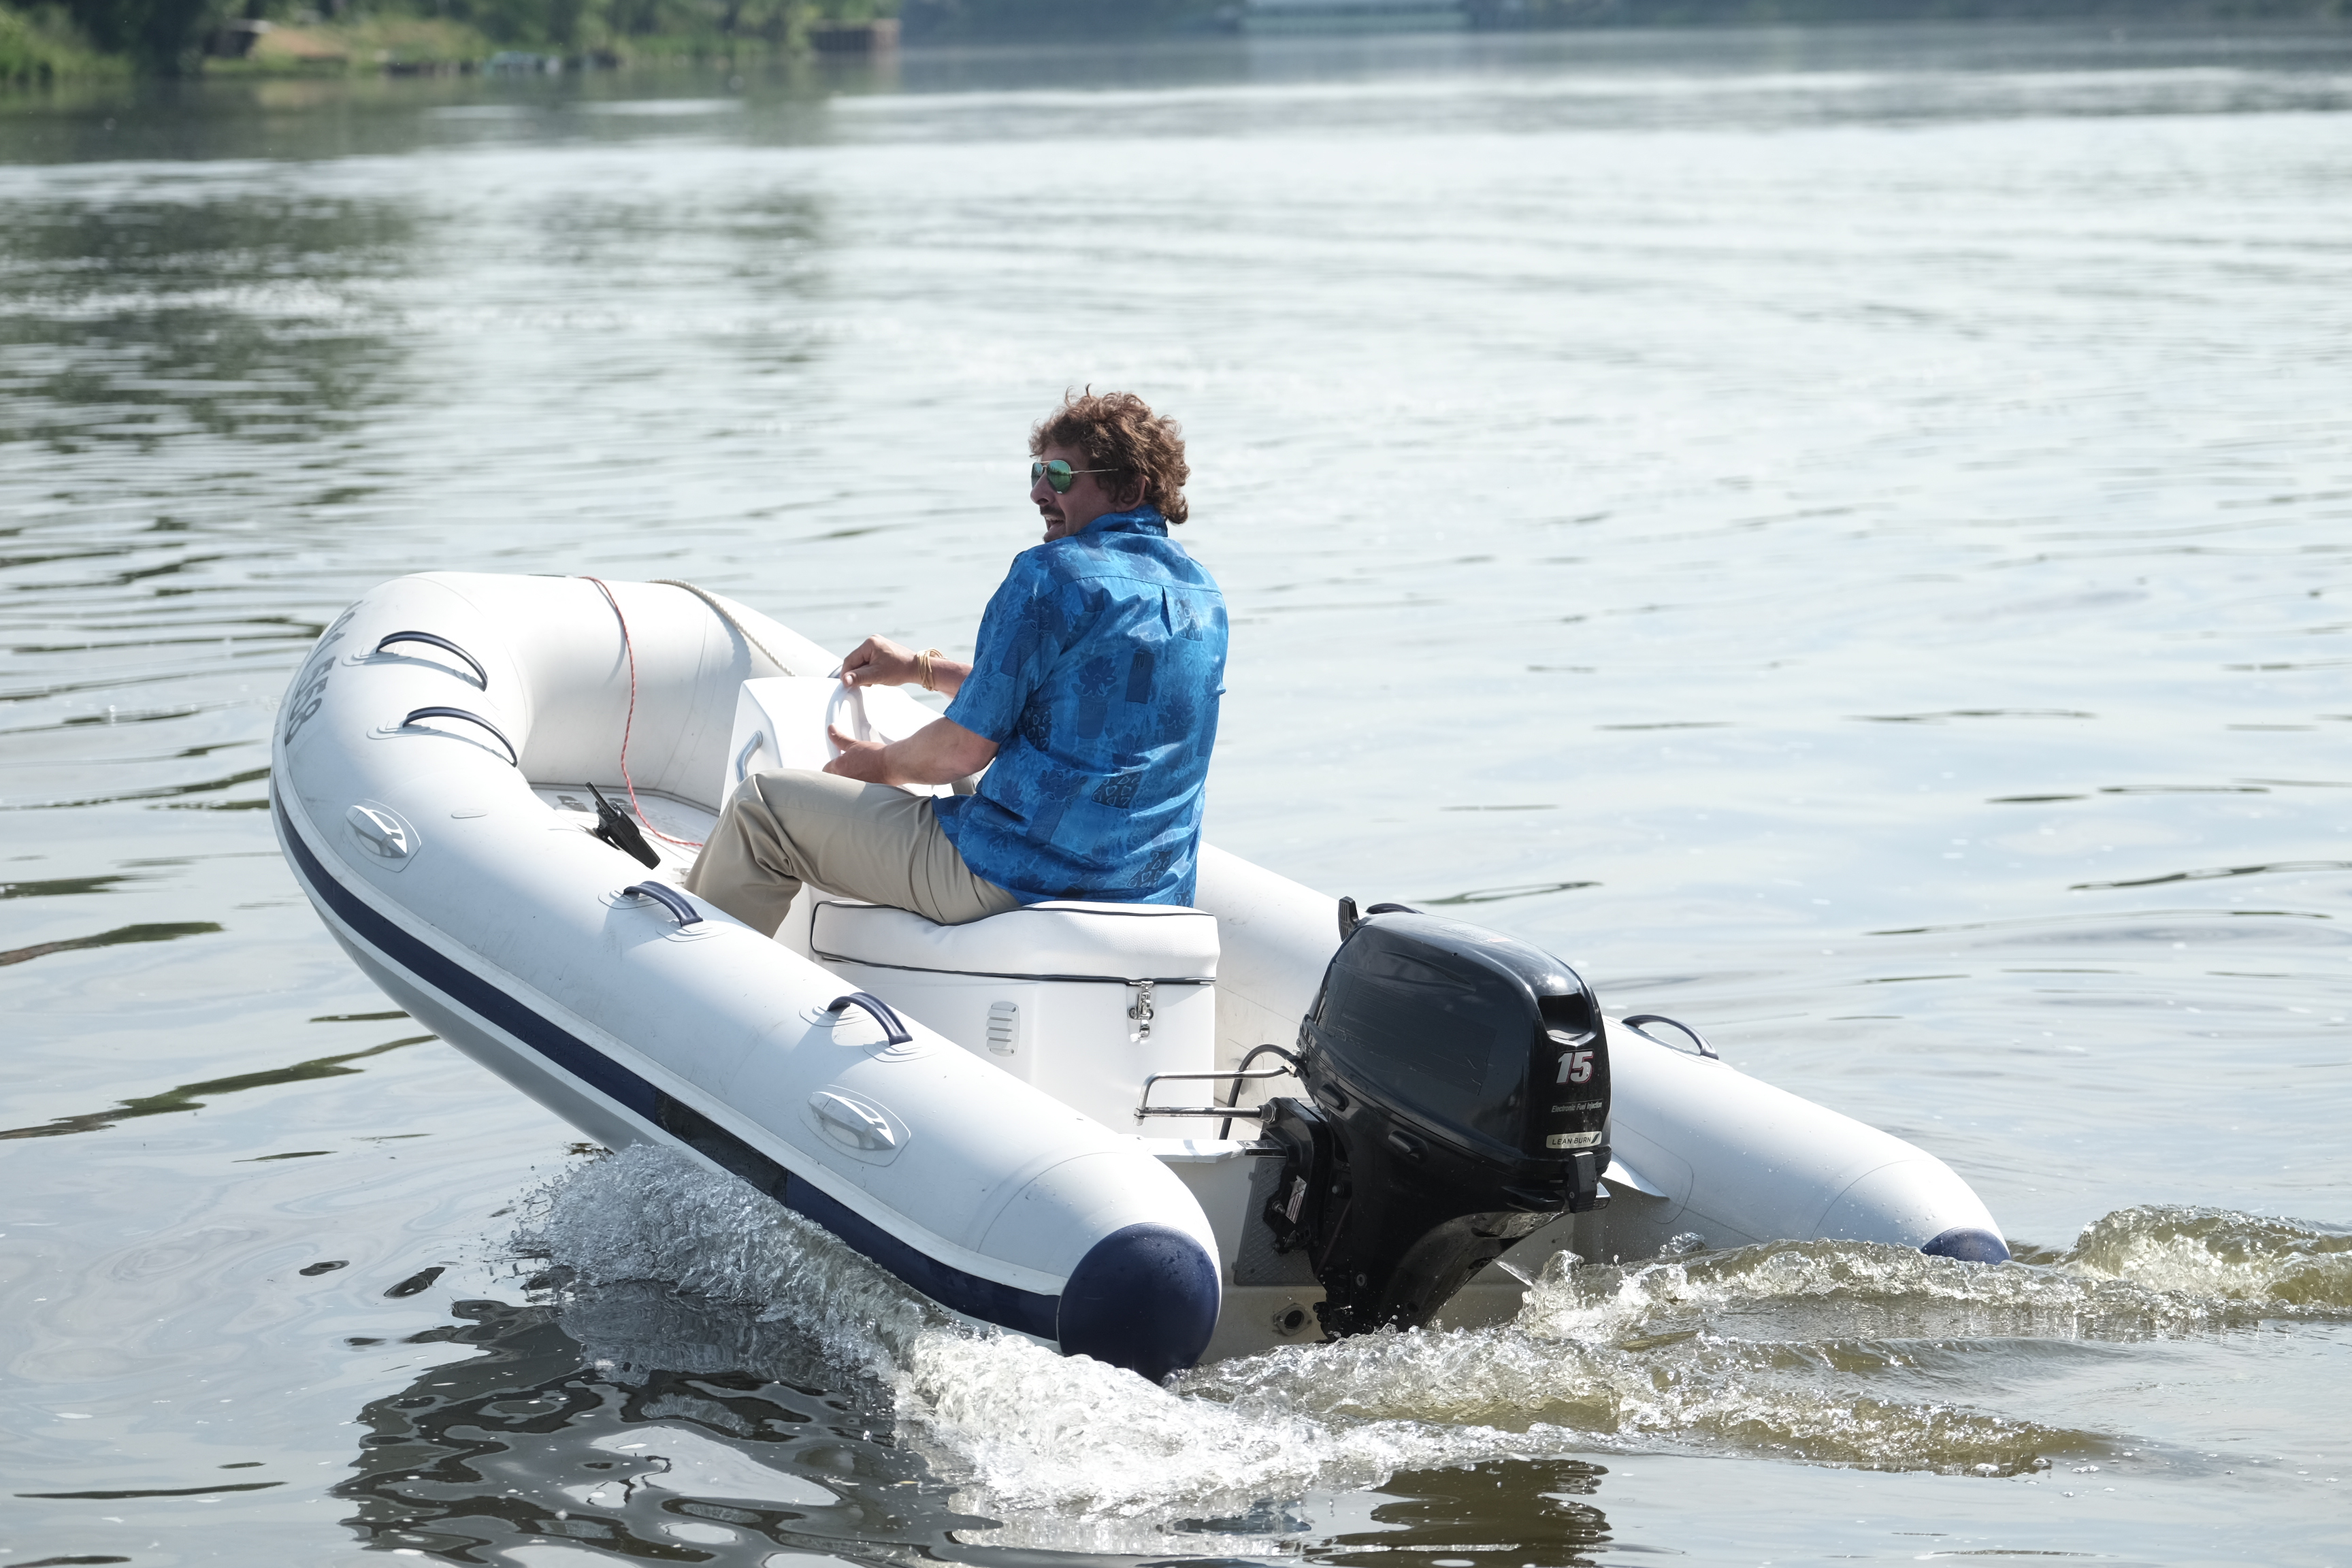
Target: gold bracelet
[923,664]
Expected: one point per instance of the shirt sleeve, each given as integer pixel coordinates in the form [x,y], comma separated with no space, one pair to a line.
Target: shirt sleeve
[1015,648]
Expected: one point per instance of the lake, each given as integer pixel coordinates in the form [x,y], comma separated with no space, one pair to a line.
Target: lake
[1846,536]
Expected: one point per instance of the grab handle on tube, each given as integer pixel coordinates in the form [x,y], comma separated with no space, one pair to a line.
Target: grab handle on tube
[1638,1020]
[444,645]
[893,1031]
[669,898]
[513,756]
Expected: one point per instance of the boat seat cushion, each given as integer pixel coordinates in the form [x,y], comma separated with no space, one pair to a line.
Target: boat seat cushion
[1061,939]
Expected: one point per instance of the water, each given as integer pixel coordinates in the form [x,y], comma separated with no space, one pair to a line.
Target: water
[1842,535]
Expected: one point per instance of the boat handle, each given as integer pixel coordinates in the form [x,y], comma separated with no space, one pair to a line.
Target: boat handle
[743,757]
[1144,1107]
[1349,920]
[668,899]
[893,1032]
[445,646]
[1638,1020]
[844,694]
[513,756]
[1297,1066]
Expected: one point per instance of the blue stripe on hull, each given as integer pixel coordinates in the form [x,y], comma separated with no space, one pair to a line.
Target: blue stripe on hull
[968,1293]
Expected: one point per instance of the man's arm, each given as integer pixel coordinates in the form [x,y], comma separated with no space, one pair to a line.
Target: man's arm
[941,752]
[878,661]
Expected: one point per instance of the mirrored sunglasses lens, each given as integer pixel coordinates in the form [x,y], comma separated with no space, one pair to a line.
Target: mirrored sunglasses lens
[1060,475]
[1036,472]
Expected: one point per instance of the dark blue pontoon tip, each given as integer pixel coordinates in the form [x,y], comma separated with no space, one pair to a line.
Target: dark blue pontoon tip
[1144,1298]
[1967,1244]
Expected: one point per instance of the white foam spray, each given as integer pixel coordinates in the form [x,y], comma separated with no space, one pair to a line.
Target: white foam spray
[1794,1350]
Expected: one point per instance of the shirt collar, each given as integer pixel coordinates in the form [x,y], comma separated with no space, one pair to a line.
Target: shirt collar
[1139,519]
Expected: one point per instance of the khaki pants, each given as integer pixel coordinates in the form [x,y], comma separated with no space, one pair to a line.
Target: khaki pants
[868,841]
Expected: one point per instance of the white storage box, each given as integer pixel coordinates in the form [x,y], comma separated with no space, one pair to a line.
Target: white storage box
[780,722]
[1082,1000]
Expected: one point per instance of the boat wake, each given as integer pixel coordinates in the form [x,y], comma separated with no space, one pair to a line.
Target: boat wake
[650,1213]
[1830,1352]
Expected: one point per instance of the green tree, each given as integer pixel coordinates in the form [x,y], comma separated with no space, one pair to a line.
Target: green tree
[161,37]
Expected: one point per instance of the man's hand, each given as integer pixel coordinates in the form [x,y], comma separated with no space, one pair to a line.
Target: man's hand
[941,752]
[859,760]
[878,661]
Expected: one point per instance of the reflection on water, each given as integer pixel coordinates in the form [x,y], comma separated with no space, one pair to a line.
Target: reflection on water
[1489,1515]
[1841,535]
[191,1096]
[533,1437]
[135,320]
[160,931]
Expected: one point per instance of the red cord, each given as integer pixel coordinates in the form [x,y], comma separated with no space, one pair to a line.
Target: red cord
[630,722]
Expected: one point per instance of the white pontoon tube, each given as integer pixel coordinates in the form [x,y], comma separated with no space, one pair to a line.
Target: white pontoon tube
[958,1103]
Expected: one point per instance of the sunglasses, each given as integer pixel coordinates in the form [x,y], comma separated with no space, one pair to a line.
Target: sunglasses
[1060,475]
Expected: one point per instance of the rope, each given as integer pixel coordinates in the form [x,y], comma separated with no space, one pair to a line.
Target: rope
[630,722]
[712,600]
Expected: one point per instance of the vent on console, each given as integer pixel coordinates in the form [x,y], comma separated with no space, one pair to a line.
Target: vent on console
[1003,1027]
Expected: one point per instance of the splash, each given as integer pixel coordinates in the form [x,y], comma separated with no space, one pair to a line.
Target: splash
[1832,1352]
[1615,1375]
[650,1213]
[1026,1430]
[2216,1254]
[1017,1426]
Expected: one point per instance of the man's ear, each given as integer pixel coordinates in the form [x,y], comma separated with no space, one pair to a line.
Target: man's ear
[1130,496]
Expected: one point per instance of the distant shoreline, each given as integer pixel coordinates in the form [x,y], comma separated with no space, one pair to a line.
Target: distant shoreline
[51,45]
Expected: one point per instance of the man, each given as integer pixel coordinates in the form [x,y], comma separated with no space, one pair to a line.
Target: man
[1091,698]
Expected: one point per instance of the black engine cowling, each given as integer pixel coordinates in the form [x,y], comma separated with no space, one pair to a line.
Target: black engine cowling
[1457,1100]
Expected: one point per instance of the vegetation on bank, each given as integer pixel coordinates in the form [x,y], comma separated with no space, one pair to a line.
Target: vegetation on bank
[44,45]
[52,40]
[59,39]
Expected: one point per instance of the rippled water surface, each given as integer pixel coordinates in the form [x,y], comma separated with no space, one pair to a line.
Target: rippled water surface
[1841,536]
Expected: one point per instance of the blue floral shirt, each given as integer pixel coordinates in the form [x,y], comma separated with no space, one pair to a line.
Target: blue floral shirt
[1101,659]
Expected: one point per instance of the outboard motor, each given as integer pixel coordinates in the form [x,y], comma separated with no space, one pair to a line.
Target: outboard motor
[1458,1101]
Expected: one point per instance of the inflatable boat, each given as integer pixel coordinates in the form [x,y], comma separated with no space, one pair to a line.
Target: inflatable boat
[1146,1133]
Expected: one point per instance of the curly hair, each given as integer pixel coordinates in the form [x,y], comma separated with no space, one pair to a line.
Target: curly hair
[1119,432]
